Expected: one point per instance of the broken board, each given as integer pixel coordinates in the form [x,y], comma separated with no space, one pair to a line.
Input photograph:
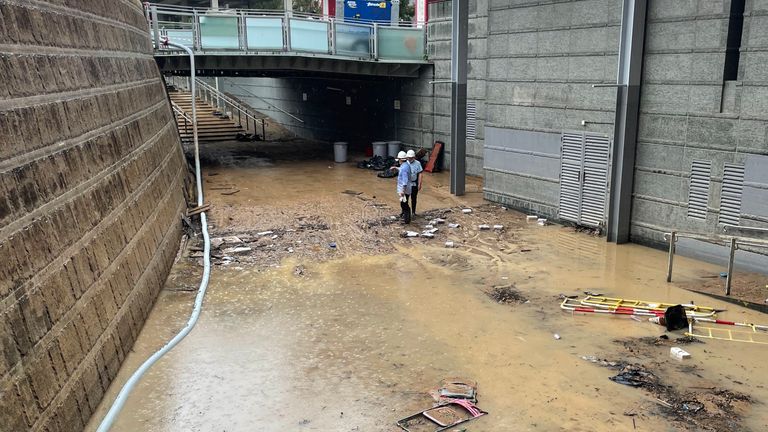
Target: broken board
[433,157]
[442,417]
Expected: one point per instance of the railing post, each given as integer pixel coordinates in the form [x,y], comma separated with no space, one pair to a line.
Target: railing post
[263,131]
[731,256]
[196,39]
[241,38]
[287,31]
[375,41]
[672,240]
[155,27]
[333,35]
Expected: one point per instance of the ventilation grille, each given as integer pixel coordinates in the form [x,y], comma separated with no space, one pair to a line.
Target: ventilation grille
[594,179]
[698,191]
[570,177]
[471,120]
[730,197]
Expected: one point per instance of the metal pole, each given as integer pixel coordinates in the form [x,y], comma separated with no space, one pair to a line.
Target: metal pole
[672,241]
[263,131]
[155,27]
[339,10]
[376,41]
[287,25]
[628,82]
[731,256]
[460,14]
[218,99]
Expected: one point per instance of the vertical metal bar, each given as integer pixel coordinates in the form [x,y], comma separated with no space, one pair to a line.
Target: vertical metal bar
[263,130]
[287,30]
[376,41]
[459,27]
[333,36]
[196,37]
[729,277]
[155,27]
[339,10]
[627,112]
[671,259]
[218,92]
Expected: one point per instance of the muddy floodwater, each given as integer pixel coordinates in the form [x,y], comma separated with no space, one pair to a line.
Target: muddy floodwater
[339,324]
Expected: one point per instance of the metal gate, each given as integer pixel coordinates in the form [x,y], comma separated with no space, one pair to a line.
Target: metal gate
[584,163]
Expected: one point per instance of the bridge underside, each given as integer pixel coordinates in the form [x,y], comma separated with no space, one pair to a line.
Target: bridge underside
[284,65]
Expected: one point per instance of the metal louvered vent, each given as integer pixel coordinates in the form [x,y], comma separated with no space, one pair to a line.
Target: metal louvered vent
[570,176]
[730,196]
[471,120]
[698,191]
[584,165]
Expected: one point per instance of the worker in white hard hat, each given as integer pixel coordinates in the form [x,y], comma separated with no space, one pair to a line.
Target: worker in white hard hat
[404,186]
[416,176]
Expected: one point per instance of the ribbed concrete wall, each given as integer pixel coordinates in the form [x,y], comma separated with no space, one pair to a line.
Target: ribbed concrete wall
[690,112]
[90,195]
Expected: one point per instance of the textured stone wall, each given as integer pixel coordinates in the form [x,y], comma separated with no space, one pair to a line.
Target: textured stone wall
[91,176]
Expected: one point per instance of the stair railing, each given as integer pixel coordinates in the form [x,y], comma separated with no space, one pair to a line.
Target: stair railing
[224,103]
[186,118]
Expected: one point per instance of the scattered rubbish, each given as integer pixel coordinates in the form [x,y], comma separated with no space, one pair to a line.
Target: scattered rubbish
[437,221]
[466,210]
[274,237]
[525,250]
[431,230]
[351,192]
[264,233]
[290,250]
[692,406]
[484,227]
[593,294]
[447,415]
[723,274]
[298,270]
[231,192]
[455,388]
[506,294]
[563,296]
[427,235]
[498,227]
[409,234]
[198,210]
[231,239]
[332,245]
[449,244]
[679,353]
[430,226]
[531,218]
[635,376]
[541,222]
[556,336]
[455,225]
[393,218]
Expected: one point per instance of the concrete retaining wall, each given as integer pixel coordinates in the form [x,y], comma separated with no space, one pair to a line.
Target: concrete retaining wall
[91,176]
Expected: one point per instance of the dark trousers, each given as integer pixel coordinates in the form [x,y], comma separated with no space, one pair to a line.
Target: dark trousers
[414,195]
[406,212]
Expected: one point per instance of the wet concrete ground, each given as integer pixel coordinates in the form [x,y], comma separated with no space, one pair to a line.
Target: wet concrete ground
[356,340]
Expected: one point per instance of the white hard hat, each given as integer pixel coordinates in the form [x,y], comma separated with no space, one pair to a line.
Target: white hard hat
[411,153]
[401,155]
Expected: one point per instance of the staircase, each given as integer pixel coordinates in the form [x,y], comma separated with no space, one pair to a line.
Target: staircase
[211,125]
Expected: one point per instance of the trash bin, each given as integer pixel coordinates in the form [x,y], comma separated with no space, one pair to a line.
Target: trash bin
[393,148]
[340,151]
[380,148]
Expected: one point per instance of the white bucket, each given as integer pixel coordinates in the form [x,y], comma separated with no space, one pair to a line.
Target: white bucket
[340,152]
[393,147]
[379,148]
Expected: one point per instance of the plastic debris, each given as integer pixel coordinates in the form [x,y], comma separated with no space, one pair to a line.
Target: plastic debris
[449,244]
[679,353]
[430,226]
[274,237]
[531,218]
[466,210]
[498,227]
[332,245]
[264,233]
[453,225]
[484,227]
[427,235]
[541,221]
[556,336]
[437,221]
[411,234]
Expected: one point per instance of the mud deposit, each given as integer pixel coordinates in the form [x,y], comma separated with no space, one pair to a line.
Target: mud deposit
[321,317]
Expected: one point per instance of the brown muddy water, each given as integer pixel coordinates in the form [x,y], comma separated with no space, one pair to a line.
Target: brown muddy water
[356,339]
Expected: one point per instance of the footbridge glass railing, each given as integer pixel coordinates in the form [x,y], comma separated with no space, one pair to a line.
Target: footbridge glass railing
[248,31]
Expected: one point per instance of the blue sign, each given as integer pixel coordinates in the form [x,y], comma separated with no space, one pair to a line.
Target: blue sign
[368,10]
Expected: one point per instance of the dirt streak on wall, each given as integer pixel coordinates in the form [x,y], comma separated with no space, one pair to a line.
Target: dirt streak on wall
[91,175]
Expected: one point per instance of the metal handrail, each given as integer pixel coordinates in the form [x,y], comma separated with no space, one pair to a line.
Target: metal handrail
[165,18]
[179,110]
[732,241]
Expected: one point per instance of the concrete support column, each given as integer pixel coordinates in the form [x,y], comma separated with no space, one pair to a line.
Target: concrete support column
[460,14]
[625,125]
[394,16]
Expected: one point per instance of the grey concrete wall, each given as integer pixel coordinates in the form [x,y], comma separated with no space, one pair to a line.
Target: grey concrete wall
[688,112]
[325,114]
[91,174]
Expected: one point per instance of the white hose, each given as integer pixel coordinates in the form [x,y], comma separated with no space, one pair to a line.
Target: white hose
[122,397]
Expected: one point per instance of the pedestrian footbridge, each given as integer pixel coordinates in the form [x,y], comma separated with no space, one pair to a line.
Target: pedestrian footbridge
[244,42]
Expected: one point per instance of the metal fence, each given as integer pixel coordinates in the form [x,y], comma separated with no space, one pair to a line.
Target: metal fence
[248,31]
